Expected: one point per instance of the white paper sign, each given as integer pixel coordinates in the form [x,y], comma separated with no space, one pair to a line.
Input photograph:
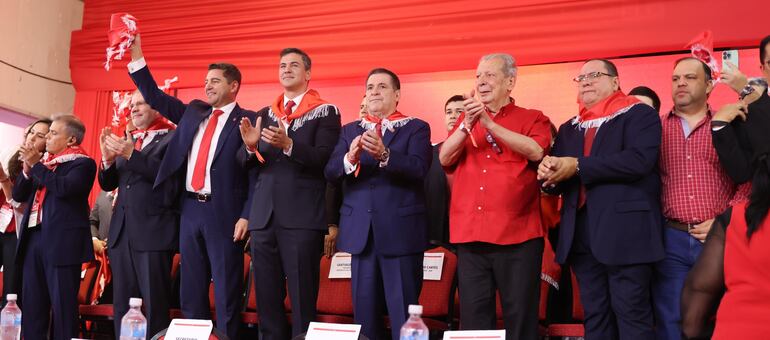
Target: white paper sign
[432,265]
[341,266]
[332,331]
[189,329]
[469,335]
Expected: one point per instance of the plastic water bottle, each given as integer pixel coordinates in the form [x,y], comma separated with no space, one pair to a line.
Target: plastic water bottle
[10,320]
[133,326]
[414,328]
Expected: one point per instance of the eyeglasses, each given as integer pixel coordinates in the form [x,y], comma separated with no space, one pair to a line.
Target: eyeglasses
[590,76]
[491,141]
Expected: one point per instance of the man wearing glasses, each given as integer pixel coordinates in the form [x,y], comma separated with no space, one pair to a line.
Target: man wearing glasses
[604,165]
[494,213]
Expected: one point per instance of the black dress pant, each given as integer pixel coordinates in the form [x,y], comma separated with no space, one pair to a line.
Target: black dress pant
[514,271]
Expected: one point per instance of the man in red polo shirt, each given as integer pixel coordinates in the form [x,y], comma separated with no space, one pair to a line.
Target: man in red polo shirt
[495,213]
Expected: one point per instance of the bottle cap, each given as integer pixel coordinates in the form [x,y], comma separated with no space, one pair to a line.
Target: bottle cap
[11,297]
[135,302]
[415,309]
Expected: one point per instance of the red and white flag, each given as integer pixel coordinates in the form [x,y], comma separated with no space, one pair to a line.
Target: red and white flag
[702,48]
[121,35]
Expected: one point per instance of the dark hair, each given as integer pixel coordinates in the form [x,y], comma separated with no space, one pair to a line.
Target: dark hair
[229,71]
[610,66]
[455,98]
[305,58]
[759,200]
[14,166]
[393,77]
[706,68]
[74,127]
[45,121]
[14,163]
[762,46]
[647,92]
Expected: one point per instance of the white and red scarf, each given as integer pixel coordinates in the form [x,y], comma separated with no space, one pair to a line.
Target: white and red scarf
[51,162]
[160,126]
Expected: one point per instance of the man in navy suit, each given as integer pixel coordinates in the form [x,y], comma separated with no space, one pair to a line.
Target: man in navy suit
[55,234]
[604,164]
[214,211]
[289,146]
[382,161]
[144,229]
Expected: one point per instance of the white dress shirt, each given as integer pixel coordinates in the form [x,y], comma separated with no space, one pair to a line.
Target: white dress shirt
[193,155]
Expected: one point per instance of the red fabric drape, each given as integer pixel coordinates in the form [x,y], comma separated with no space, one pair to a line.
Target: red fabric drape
[346,38]
[94,108]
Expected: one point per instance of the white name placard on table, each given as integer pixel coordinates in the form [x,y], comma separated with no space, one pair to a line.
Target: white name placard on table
[471,335]
[332,331]
[189,329]
[432,266]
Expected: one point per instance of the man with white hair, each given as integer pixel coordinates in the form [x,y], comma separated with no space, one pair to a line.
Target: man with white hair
[495,213]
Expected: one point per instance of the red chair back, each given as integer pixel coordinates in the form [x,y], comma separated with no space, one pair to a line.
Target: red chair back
[334,295]
[436,296]
[88,275]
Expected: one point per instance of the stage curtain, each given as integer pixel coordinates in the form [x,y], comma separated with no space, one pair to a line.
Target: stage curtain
[94,108]
[346,38]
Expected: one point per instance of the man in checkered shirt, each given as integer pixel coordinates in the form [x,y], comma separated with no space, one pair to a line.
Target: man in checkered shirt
[695,188]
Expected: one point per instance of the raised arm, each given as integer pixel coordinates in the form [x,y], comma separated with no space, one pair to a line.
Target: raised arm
[168,106]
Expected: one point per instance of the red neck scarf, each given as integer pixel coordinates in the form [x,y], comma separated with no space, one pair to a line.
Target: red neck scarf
[376,123]
[310,101]
[51,162]
[605,110]
[160,124]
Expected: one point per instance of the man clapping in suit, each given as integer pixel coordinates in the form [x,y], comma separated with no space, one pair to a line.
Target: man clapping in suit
[214,211]
[144,231]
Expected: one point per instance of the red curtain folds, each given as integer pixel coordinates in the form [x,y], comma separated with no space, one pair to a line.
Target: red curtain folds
[346,38]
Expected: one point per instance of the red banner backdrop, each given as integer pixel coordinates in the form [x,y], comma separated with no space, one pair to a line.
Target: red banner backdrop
[346,38]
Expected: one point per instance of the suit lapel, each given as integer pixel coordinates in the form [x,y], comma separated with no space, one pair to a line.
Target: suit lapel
[232,121]
[387,138]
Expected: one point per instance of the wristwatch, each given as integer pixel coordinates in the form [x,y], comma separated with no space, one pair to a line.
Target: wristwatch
[747,90]
[385,155]
[463,128]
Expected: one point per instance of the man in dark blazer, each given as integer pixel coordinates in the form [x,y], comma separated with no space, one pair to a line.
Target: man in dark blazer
[55,238]
[145,224]
[289,146]
[214,209]
[604,163]
[382,161]
[437,183]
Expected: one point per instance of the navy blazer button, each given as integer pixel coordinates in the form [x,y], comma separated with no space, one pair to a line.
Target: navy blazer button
[128,186]
[368,210]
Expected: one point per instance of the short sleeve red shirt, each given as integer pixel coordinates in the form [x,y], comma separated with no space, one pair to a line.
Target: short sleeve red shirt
[496,196]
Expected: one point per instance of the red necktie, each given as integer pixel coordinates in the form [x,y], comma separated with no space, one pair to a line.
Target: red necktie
[289,106]
[588,142]
[138,143]
[199,173]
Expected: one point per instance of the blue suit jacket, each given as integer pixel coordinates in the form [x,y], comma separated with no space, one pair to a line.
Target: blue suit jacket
[229,176]
[390,200]
[145,217]
[292,189]
[66,230]
[625,222]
